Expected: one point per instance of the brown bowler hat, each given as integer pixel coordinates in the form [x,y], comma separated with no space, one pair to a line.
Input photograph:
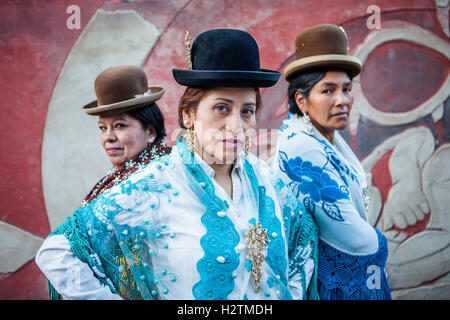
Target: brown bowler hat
[324,45]
[121,89]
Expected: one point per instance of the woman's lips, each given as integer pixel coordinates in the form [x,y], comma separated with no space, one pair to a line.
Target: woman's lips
[113,151]
[340,114]
[232,143]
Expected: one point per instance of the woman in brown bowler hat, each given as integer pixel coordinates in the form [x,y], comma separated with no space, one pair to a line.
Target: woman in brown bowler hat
[132,134]
[322,170]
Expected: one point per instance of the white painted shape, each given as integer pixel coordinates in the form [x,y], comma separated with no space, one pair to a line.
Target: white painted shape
[438,113]
[17,247]
[413,273]
[433,292]
[436,186]
[413,34]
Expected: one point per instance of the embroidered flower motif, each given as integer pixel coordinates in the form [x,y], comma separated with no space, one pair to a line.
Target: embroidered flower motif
[283,127]
[154,152]
[340,166]
[128,187]
[144,155]
[313,181]
[293,134]
[130,164]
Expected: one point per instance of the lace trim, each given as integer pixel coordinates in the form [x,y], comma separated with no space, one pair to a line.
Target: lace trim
[361,276]
[141,243]
[220,240]
[300,229]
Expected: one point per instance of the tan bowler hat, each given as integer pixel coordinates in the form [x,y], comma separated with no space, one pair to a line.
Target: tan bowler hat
[324,45]
[121,89]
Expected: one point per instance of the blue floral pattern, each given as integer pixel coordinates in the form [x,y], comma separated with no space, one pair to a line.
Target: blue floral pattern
[315,182]
[343,170]
[330,186]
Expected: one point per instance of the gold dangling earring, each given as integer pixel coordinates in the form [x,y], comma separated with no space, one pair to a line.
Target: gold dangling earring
[189,136]
[248,143]
[190,139]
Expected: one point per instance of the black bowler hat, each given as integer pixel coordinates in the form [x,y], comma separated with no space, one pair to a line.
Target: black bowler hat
[225,58]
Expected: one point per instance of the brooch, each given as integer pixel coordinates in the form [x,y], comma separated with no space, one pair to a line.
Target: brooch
[257,241]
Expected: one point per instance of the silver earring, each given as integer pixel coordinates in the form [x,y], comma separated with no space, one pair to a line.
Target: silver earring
[185,122]
[307,121]
[151,140]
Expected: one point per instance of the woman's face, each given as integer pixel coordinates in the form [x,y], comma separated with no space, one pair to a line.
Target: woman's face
[329,102]
[222,120]
[122,137]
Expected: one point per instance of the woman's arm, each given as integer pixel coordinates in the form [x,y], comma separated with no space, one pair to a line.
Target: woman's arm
[325,195]
[71,277]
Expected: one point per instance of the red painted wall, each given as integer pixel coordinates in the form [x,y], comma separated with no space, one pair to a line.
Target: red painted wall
[35,43]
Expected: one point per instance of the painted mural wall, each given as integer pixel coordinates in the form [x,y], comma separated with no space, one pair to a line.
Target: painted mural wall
[51,52]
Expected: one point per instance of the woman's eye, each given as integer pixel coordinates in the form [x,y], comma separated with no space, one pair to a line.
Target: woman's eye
[347,89]
[119,125]
[248,111]
[102,128]
[327,91]
[221,107]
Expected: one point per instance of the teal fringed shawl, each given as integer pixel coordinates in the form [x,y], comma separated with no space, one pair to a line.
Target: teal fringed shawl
[81,247]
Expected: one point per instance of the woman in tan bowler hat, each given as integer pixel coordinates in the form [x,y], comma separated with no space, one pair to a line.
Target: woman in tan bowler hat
[132,133]
[322,170]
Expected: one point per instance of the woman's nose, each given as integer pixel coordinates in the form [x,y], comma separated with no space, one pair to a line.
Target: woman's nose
[234,123]
[109,135]
[343,98]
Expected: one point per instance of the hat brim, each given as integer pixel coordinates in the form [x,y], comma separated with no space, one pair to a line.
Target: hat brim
[225,78]
[93,109]
[345,62]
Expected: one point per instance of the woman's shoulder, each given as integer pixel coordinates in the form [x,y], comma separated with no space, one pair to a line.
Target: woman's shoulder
[305,148]
[151,171]
[154,180]
[296,141]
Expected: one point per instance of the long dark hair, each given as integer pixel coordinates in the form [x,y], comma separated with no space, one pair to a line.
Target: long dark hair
[304,82]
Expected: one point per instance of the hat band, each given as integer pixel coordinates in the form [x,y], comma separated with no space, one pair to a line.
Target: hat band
[152,95]
[145,94]
[324,60]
